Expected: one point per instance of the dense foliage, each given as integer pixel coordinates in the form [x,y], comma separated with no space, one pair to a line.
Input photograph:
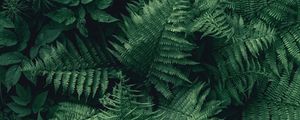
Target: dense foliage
[149,59]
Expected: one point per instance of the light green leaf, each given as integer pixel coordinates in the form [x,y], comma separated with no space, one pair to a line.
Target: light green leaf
[11,58]
[20,110]
[7,38]
[39,101]
[63,15]
[101,16]
[103,4]
[48,34]
[12,76]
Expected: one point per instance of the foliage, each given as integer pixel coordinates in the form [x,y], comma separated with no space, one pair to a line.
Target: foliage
[149,59]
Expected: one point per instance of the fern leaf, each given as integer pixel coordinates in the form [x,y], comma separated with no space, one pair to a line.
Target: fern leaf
[86,78]
[156,43]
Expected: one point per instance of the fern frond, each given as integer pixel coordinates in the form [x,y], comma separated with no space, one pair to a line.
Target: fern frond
[72,71]
[269,11]
[73,111]
[213,23]
[122,104]
[291,38]
[234,84]
[190,104]
[279,101]
[156,43]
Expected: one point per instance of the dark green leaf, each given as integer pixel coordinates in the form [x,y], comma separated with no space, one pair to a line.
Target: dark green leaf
[2,74]
[20,110]
[11,58]
[6,22]
[63,1]
[23,93]
[48,34]
[86,1]
[101,16]
[39,117]
[63,15]
[12,76]
[23,32]
[20,100]
[7,38]
[103,4]
[39,101]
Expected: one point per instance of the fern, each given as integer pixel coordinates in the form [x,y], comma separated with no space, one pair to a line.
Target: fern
[214,23]
[72,71]
[121,104]
[280,100]
[188,105]
[73,111]
[156,43]
[290,38]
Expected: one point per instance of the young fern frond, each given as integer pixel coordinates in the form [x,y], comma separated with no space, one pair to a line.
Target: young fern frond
[190,104]
[81,72]
[156,43]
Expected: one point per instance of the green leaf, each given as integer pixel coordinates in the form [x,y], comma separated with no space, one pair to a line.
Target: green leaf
[34,51]
[11,58]
[63,1]
[24,94]
[103,4]
[6,22]
[20,110]
[81,22]
[7,38]
[101,16]
[12,76]
[23,33]
[19,100]
[48,34]
[86,1]
[63,15]
[39,117]
[39,101]
[2,74]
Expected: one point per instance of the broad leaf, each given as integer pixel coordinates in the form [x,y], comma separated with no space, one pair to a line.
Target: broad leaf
[12,76]
[11,58]
[101,16]
[7,38]
[39,101]
[86,1]
[103,4]
[48,34]
[20,110]
[63,15]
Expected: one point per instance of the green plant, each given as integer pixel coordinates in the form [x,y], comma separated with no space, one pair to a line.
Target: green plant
[149,59]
